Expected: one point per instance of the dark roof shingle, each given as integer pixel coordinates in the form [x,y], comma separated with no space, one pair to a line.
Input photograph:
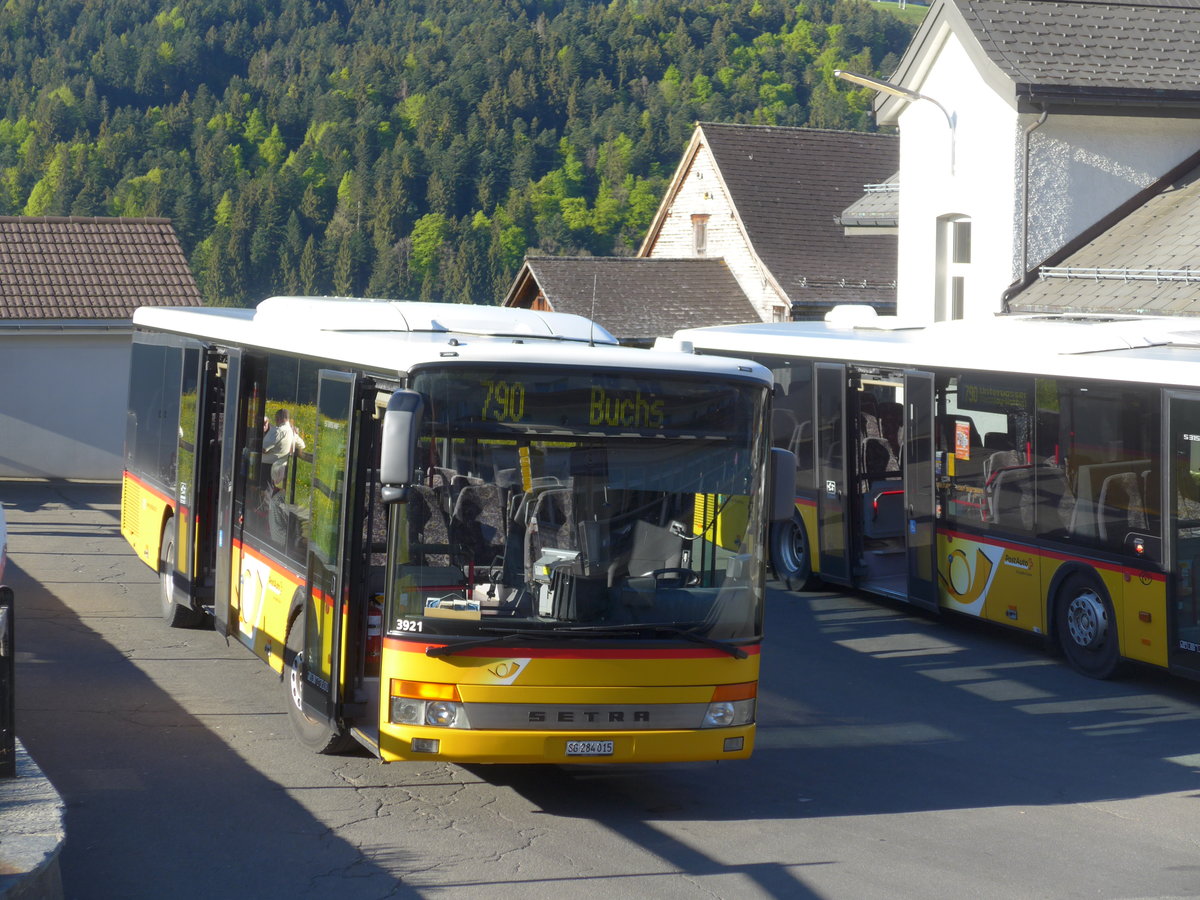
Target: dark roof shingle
[789,186]
[641,299]
[1131,48]
[90,268]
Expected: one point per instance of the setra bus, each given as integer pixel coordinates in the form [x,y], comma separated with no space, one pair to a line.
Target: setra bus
[489,536]
[1041,471]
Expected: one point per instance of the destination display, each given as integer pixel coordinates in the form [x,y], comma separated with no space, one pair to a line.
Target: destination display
[541,400]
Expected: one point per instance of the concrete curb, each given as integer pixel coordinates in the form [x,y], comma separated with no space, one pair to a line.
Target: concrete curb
[31,833]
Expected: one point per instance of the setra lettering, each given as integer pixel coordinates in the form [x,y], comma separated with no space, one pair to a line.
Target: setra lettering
[570,716]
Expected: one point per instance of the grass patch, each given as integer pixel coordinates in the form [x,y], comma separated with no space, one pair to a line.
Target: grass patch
[911,13]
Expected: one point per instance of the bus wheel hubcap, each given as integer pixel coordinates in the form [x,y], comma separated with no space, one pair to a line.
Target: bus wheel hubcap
[1087,620]
[792,547]
[294,678]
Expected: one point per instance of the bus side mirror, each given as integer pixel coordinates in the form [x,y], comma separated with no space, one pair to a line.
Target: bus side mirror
[398,445]
[782,484]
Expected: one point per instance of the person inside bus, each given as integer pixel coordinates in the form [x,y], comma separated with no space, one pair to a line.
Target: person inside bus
[279,443]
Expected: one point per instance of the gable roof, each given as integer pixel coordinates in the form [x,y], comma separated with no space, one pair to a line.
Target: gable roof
[1068,55]
[788,187]
[635,299]
[1143,262]
[90,268]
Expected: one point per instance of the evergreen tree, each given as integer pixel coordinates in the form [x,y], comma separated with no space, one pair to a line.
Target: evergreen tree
[405,149]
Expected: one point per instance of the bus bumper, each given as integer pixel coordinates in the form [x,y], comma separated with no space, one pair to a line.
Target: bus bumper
[561,747]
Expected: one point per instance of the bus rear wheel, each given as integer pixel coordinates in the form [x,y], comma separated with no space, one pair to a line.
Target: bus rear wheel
[174,614]
[316,735]
[790,554]
[1086,626]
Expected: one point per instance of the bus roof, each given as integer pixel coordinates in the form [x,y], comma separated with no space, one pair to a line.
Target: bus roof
[393,336]
[1163,350]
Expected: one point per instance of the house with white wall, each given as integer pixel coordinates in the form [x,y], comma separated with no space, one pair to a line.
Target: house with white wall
[767,200]
[68,289]
[1139,261]
[1035,120]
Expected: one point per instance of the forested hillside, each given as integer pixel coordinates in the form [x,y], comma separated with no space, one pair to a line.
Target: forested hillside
[400,148]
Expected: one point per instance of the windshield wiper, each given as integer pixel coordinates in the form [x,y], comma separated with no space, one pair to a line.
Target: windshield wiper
[495,638]
[687,634]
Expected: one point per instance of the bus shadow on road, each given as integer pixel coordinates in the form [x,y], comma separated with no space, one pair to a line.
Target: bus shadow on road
[100,497]
[673,812]
[882,709]
[157,802]
[866,708]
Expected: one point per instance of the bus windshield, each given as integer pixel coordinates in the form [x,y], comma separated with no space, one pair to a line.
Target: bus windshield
[582,504]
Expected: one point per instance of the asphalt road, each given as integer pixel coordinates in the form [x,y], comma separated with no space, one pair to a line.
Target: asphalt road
[898,756]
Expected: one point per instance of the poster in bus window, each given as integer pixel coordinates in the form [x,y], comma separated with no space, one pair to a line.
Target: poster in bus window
[962,440]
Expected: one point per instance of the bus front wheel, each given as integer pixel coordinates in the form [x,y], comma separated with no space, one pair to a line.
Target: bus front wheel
[790,554]
[317,735]
[1086,626]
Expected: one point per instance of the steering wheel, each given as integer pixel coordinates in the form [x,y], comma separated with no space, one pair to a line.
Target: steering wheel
[684,577]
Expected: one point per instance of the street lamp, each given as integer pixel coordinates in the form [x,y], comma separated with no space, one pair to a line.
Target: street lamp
[895,90]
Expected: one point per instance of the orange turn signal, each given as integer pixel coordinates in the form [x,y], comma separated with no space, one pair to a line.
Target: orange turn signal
[746,690]
[423,690]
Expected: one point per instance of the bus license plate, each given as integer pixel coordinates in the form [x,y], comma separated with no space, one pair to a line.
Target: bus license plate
[589,748]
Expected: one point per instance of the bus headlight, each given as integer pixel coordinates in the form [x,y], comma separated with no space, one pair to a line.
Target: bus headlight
[440,712]
[422,703]
[728,713]
[407,712]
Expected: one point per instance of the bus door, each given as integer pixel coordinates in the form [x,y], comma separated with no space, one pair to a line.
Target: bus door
[199,469]
[833,496]
[326,595]
[1183,532]
[225,524]
[919,490]
[208,465]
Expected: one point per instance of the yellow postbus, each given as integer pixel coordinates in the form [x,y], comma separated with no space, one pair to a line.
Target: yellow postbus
[461,533]
[1042,471]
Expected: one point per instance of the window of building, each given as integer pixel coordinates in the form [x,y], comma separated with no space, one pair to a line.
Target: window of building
[954,263]
[700,234]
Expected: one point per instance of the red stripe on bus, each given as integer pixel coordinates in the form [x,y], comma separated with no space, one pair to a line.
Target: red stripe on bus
[406,646]
[1127,571]
[170,501]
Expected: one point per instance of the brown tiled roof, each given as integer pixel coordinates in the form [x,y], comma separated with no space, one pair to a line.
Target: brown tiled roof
[90,268]
[789,187]
[638,299]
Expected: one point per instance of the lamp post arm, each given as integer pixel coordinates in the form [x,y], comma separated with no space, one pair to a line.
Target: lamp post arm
[895,90]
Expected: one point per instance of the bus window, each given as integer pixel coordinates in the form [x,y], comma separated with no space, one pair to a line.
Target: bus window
[791,415]
[1106,442]
[984,443]
[278,487]
[792,412]
[152,433]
